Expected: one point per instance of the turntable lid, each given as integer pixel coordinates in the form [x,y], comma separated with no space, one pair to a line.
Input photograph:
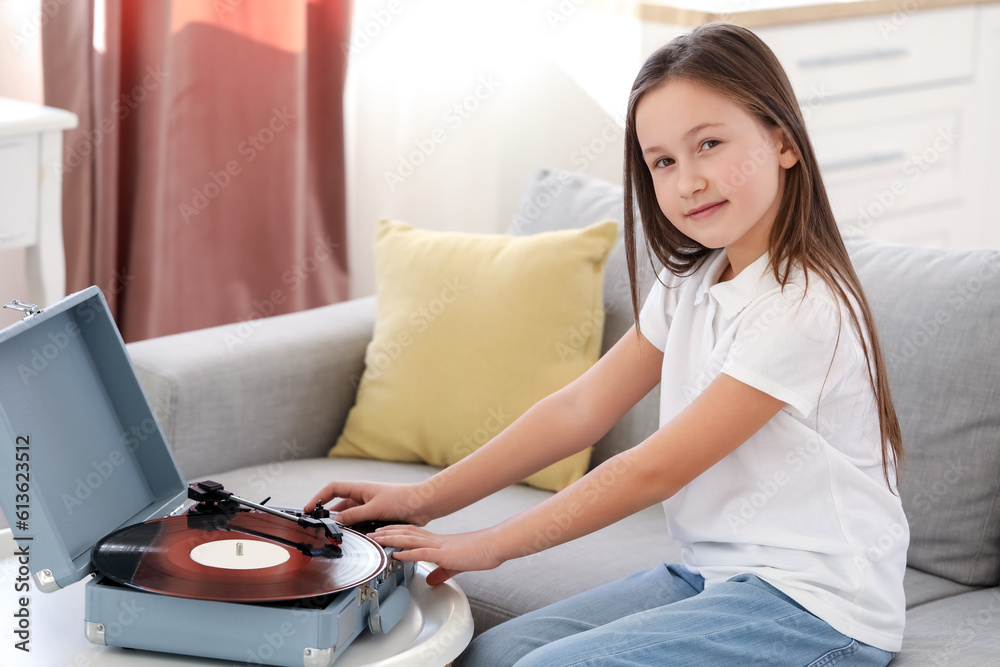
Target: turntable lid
[83,452]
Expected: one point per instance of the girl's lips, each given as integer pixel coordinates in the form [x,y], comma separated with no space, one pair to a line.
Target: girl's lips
[703,212]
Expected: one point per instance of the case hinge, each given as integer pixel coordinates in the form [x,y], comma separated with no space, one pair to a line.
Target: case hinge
[28,308]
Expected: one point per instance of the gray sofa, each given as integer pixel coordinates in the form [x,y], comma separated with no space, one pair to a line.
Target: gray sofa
[257,405]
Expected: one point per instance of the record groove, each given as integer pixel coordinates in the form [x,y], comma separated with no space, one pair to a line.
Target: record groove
[155,556]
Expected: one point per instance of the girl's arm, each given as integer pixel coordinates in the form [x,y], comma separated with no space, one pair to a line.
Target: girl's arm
[564,423]
[723,416]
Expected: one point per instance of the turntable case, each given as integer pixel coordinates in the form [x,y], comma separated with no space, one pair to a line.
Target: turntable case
[71,407]
[83,454]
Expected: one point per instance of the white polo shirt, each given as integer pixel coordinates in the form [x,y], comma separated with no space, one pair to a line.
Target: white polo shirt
[803,503]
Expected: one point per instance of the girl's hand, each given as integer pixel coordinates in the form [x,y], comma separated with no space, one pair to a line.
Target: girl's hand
[374,501]
[461,552]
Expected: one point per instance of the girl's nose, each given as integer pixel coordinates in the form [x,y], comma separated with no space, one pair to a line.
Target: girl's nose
[690,181]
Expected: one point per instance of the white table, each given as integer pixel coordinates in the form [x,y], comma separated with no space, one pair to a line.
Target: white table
[434,630]
[31,168]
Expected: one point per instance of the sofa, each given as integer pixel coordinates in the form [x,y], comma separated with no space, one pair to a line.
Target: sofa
[257,405]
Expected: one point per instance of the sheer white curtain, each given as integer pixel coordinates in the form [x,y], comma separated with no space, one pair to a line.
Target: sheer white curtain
[451,106]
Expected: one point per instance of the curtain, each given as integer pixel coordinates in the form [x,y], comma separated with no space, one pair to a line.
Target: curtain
[205,183]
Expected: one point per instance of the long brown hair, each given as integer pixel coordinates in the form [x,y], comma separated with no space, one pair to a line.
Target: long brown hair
[736,63]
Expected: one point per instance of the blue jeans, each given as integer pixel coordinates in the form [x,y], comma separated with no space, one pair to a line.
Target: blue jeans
[664,616]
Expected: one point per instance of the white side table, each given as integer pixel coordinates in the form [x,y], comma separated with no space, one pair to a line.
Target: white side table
[31,193]
[435,629]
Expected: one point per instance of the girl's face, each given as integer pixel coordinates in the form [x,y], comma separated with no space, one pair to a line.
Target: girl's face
[718,173]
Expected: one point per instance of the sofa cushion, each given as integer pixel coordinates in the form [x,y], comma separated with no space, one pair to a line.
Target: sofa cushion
[631,545]
[959,630]
[938,314]
[518,586]
[567,200]
[921,588]
[471,331]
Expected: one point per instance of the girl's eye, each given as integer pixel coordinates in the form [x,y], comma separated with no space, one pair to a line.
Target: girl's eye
[713,142]
[663,162]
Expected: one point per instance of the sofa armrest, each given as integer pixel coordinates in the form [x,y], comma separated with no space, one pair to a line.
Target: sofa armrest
[259,392]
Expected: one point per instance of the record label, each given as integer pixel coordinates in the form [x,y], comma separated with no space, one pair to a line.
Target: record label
[239,554]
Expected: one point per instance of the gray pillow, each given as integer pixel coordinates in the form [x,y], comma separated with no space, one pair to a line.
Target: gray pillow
[938,315]
[565,200]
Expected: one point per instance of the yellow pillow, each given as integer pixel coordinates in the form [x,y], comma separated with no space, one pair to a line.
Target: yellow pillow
[471,331]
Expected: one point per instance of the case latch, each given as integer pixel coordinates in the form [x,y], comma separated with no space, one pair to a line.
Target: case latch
[383,617]
[28,308]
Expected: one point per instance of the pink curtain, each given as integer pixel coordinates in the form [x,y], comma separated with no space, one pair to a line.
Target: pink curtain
[205,183]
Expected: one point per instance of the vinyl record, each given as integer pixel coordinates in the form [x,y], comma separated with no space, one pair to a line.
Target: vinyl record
[210,557]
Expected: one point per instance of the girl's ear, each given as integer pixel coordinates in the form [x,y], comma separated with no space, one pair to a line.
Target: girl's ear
[787,157]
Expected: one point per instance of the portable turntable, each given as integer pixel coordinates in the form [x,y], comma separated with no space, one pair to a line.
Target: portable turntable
[85,495]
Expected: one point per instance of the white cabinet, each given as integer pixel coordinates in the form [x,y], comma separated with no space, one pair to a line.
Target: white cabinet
[890,103]
[901,168]
[31,193]
[874,55]
[903,111]
[18,190]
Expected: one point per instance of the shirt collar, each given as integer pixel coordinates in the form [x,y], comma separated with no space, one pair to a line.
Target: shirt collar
[734,295]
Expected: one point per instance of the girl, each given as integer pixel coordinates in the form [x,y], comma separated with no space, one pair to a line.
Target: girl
[771,379]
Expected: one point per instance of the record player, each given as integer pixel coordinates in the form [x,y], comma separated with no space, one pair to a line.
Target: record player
[87,478]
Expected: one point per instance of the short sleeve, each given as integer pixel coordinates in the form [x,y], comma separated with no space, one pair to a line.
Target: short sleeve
[786,347]
[657,312]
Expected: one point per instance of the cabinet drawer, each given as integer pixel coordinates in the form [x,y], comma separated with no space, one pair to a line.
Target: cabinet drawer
[850,57]
[902,152]
[948,225]
[19,171]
